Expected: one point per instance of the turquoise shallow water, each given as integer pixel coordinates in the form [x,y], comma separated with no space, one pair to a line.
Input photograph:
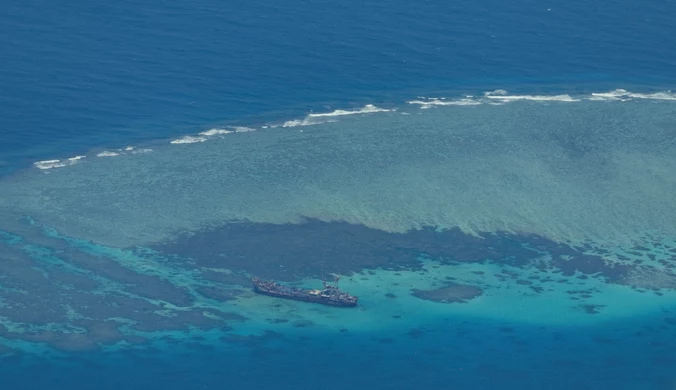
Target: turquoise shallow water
[496,238]
[154,157]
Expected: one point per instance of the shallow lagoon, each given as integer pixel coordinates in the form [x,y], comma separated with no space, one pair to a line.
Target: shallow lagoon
[534,227]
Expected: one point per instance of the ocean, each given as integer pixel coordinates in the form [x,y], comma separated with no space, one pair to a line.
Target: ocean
[495,181]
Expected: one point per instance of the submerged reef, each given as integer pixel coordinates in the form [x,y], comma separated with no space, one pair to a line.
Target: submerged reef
[73,295]
[75,299]
[315,248]
[455,293]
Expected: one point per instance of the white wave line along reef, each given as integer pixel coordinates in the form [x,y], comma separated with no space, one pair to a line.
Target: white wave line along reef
[569,169]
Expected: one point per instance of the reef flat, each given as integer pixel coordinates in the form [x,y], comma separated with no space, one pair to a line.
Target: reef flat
[67,294]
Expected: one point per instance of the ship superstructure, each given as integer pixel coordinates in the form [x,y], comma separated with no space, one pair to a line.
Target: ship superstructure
[331,295]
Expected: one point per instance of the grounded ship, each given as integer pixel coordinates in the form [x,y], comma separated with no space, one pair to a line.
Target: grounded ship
[331,295]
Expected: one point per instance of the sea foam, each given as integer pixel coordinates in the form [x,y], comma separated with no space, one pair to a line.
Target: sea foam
[319,118]
[367,109]
[50,164]
[567,171]
[107,153]
[430,102]
[495,97]
[188,139]
[501,96]
[213,132]
[624,95]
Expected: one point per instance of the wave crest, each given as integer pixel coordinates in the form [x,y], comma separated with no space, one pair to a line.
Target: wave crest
[50,164]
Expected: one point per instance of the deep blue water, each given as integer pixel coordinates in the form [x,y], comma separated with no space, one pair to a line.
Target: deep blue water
[78,74]
[468,354]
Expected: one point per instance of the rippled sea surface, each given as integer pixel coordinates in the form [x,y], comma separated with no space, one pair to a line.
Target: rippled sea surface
[494,181]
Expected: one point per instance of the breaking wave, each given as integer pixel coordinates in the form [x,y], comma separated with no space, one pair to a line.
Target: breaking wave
[495,97]
[50,164]
[319,118]
[624,95]
[210,134]
[129,150]
[501,96]
[367,109]
[188,139]
[570,169]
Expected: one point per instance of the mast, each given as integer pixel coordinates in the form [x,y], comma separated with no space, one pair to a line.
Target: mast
[336,278]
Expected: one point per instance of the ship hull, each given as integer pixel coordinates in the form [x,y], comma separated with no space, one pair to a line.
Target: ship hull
[296,294]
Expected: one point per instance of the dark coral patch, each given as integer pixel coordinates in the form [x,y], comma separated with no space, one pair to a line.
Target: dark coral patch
[303,324]
[277,320]
[293,251]
[592,309]
[63,291]
[314,249]
[64,278]
[455,293]
[137,283]
[94,335]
